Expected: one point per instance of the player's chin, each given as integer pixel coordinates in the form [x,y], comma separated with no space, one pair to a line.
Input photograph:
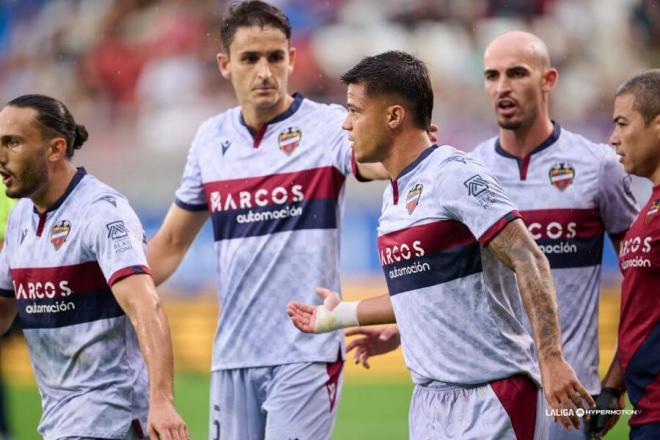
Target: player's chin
[266,99]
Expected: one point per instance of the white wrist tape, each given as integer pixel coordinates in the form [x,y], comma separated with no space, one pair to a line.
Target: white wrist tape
[342,316]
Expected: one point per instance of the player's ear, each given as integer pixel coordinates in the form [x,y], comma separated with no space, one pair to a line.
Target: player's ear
[655,125]
[292,59]
[56,149]
[550,77]
[395,115]
[223,64]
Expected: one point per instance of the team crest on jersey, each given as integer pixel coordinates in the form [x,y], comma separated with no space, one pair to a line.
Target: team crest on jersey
[412,199]
[562,175]
[289,139]
[653,210]
[59,233]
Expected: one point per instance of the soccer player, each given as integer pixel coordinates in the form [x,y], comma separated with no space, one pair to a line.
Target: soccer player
[569,190]
[445,232]
[75,270]
[636,366]
[270,173]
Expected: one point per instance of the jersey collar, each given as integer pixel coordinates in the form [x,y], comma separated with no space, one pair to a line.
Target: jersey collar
[411,166]
[523,164]
[257,135]
[69,189]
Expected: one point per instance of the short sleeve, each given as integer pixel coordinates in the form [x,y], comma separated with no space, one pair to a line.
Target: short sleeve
[343,157]
[115,236]
[473,197]
[190,194]
[617,204]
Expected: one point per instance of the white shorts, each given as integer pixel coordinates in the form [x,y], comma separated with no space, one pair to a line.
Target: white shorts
[135,433]
[511,408]
[291,401]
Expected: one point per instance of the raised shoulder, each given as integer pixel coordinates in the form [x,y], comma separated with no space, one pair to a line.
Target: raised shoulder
[592,150]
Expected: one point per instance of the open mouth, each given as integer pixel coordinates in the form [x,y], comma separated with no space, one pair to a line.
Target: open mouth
[506,106]
[5,177]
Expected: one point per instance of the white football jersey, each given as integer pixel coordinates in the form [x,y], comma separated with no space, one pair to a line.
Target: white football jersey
[275,198]
[570,191]
[60,266]
[457,307]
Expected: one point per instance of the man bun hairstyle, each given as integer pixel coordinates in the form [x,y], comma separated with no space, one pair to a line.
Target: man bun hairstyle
[54,120]
[251,13]
[645,88]
[398,74]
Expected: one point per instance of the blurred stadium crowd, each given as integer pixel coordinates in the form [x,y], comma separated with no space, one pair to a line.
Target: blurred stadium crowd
[141,74]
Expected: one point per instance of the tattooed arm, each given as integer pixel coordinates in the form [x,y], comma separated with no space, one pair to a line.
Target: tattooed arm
[514,247]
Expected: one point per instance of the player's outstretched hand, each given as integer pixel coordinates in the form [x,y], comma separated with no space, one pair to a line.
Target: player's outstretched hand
[304,316]
[164,422]
[565,395]
[608,399]
[375,341]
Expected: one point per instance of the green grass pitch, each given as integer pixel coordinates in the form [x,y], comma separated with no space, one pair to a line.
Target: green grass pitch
[370,410]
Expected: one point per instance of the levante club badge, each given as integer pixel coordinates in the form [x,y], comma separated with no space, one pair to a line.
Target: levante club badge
[654,209]
[412,199]
[562,175]
[59,233]
[289,139]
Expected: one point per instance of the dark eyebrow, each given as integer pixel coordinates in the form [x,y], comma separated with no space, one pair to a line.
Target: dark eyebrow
[260,53]
[517,69]
[6,138]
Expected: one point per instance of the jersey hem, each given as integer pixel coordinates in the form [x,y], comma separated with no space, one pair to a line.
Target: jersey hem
[239,365]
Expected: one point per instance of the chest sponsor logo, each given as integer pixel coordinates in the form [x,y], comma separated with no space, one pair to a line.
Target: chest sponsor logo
[412,199]
[279,195]
[561,175]
[59,234]
[289,140]
[635,252]
[225,146]
[653,211]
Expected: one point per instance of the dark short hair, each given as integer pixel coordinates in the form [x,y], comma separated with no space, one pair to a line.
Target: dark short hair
[400,74]
[54,120]
[645,88]
[251,13]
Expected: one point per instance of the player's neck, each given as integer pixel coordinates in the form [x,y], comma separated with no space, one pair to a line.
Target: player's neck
[59,179]
[405,149]
[255,118]
[655,178]
[523,141]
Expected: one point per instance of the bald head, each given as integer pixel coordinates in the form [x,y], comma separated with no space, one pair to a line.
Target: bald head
[523,46]
[518,78]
